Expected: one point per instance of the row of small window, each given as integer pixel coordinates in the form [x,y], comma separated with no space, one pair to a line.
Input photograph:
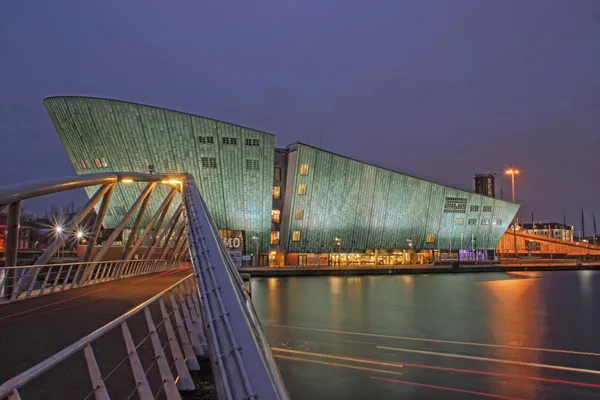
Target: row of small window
[277,191]
[275,237]
[227,140]
[484,221]
[211,162]
[485,208]
[100,163]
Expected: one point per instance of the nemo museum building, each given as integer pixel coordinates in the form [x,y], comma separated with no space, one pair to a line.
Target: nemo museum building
[295,206]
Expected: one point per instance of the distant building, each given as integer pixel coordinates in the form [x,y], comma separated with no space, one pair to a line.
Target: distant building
[485,184]
[550,229]
[25,234]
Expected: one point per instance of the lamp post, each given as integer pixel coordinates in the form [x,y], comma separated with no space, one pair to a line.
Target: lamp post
[512,172]
[59,230]
[255,239]
[338,241]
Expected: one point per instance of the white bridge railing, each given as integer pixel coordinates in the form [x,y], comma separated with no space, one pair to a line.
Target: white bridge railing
[24,282]
[166,331]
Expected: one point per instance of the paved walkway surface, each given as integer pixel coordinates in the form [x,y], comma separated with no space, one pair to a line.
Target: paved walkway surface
[34,329]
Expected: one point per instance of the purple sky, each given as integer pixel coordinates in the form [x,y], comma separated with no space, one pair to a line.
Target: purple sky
[437,89]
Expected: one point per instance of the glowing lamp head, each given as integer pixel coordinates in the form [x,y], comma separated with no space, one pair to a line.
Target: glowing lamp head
[79,234]
[58,229]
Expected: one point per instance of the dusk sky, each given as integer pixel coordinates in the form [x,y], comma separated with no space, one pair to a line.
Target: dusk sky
[439,89]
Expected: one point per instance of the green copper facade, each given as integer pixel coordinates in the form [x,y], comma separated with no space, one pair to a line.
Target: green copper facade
[232,165]
[324,196]
[368,207]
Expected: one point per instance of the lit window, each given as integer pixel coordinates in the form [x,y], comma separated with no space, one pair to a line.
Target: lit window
[252,165]
[472,221]
[277,174]
[98,163]
[299,214]
[460,221]
[304,169]
[276,192]
[296,236]
[104,163]
[209,162]
[206,139]
[276,216]
[487,208]
[430,238]
[87,164]
[83,164]
[474,208]
[274,237]
[302,188]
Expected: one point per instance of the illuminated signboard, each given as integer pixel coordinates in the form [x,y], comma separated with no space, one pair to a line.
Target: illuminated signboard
[233,240]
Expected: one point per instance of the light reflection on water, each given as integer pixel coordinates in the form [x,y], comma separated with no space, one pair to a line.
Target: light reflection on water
[549,310]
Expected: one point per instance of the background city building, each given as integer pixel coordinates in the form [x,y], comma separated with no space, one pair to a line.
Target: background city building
[299,205]
[549,229]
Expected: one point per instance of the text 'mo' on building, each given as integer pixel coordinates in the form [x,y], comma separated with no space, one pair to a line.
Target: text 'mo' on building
[299,205]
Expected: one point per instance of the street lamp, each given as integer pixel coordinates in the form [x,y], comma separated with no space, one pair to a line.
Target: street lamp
[79,236]
[512,172]
[256,254]
[59,230]
[338,241]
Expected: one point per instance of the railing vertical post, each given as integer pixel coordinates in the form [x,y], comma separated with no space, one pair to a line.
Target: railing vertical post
[141,381]
[192,327]
[56,279]
[43,288]
[166,376]
[184,383]
[100,392]
[62,288]
[190,355]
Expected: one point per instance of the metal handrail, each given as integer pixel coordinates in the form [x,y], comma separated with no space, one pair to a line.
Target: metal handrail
[26,281]
[11,386]
[245,367]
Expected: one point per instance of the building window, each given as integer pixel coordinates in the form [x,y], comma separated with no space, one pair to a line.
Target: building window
[304,169]
[430,238]
[487,208]
[85,164]
[98,163]
[299,215]
[474,208]
[209,162]
[296,236]
[277,174]
[455,205]
[206,139]
[497,222]
[302,188]
[103,162]
[472,221]
[460,221]
[485,221]
[276,216]
[252,142]
[252,165]
[276,192]
[229,140]
[274,237]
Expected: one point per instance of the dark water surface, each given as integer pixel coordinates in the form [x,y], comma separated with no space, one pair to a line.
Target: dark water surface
[453,336]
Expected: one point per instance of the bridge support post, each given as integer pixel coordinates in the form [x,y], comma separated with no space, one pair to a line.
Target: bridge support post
[136,224]
[12,245]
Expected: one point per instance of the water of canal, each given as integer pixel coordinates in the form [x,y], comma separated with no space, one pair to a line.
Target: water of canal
[529,335]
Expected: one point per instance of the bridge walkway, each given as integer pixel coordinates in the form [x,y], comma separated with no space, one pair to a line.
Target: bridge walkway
[34,329]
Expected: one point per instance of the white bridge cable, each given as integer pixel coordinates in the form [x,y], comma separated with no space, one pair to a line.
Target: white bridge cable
[237,345]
